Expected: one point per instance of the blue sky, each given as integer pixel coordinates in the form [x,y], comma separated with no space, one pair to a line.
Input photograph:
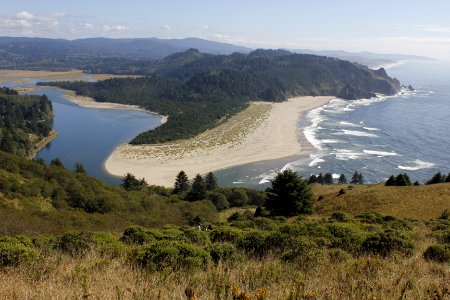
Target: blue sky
[411,27]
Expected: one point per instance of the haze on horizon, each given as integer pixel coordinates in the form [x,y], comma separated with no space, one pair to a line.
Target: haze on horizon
[407,27]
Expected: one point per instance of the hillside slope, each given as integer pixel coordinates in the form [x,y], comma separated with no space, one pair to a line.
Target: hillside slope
[418,202]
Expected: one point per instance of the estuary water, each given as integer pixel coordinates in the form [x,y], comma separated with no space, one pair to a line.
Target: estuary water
[409,132]
[89,135]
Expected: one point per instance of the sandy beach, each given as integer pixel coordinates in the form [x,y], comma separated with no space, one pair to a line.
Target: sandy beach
[27,76]
[263,131]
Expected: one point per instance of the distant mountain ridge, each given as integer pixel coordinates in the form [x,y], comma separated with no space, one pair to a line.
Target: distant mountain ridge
[44,53]
[367,58]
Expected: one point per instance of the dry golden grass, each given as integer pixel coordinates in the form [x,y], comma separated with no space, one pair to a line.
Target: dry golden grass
[94,277]
[418,202]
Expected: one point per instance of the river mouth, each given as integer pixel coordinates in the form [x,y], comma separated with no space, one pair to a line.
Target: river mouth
[89,135]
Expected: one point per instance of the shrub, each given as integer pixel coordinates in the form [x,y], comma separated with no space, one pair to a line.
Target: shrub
[238,197]
[223,252]
[387,242]
[137,235]
[169,255]
[13,253]
[225,234]
[339,216]
[303,252]
[219,200]
[79,242]
[195,236]
[346,236]
[439,253]
[254,243]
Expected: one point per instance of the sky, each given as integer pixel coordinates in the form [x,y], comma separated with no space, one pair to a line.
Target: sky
[382,26]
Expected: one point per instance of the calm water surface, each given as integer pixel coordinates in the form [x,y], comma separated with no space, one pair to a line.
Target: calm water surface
[89,135]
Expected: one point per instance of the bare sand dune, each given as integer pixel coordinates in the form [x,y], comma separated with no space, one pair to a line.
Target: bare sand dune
[26,76]
[264,131]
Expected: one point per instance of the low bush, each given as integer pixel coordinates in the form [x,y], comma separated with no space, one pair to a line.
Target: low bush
[348,237]
[387,242]
[304,252]
[439,253]
[170,255]
[80,242]
[254,243]
[13,253]
[222,252]
[225,234]
[339,216]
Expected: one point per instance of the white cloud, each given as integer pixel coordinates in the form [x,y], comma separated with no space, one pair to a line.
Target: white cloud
[57,25]
[167,27]
[89,26]
[24,15]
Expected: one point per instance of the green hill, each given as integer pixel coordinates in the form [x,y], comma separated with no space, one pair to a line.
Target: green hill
[199,91]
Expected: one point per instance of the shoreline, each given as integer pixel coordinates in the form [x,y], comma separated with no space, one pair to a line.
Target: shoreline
[42,143]
[264,131]
[88,102]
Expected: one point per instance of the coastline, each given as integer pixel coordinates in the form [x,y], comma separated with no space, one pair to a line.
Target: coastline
[264,131]
[88,102]
[42,143]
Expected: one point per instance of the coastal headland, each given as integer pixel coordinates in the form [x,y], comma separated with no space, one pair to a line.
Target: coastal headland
[263,131]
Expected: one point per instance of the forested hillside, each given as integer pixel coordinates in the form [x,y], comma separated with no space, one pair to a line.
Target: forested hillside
[198,91]
[24,121]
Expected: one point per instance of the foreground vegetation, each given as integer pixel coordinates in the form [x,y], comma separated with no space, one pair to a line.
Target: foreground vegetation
[367,256]
[67,235]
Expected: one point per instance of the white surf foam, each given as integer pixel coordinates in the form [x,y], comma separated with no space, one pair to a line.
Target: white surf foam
[349,124]
[346,154]
[380,153]
[371,128]
[417,165]
[356,133]
[316,161]
[330,141]
[315,117]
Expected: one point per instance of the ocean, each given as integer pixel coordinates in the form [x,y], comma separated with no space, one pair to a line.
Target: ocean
[378,137]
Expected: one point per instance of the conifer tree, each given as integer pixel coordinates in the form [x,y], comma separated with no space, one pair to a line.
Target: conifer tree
[289,195]
[181,183]
[328,178]
[211,181]
[342,179]
[198,189]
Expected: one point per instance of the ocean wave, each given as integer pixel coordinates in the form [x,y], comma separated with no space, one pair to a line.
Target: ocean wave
[330,141]
[371,128]
[380,153]
[345,154]
[316,161]
[356,133]
[315,117]
[349,124]
[417,165]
